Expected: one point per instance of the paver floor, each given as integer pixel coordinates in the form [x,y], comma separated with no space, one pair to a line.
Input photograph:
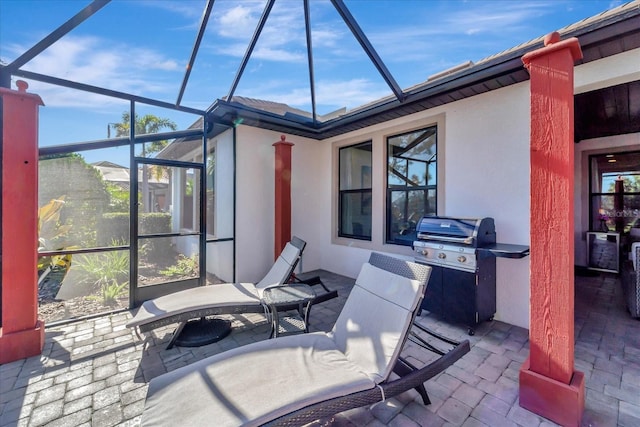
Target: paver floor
[95,372]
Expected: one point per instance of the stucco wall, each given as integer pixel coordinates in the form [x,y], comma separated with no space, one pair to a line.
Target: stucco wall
[483,150]
[483,161]
[255,156]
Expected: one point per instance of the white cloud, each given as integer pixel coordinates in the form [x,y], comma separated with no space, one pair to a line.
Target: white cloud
[281,40]
[93,61]
[331,93]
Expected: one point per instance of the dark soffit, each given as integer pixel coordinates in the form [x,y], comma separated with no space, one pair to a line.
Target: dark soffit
[601,36]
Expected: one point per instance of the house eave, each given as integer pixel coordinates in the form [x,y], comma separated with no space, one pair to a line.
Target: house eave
[600,37]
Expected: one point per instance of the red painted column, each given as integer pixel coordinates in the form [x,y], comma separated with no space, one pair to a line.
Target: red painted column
[21,334]
[282,194]
[549,385]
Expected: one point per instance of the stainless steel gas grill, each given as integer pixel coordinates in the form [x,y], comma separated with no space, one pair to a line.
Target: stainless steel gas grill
[462,252]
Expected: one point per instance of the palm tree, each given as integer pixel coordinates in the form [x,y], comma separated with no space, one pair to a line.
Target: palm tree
[146,124]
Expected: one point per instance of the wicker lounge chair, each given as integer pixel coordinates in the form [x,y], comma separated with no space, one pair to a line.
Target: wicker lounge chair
[294,380]
[226,298]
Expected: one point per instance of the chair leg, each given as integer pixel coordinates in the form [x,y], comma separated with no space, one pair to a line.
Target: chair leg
[402,368]
[176,334]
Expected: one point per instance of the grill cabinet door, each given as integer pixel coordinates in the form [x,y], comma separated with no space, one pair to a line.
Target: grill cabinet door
[432,301]
[459,290]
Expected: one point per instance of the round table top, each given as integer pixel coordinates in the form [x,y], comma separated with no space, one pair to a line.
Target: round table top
[288,294]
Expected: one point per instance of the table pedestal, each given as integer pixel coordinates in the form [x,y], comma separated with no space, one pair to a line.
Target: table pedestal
[203,331]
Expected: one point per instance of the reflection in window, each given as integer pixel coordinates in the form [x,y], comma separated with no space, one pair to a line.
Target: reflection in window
[615,192]
[411,182]
[355,191]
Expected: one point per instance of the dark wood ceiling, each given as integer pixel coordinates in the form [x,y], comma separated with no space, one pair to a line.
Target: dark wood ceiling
[614,110]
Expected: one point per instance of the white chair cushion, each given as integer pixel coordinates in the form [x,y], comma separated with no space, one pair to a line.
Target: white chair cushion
[290,253]
[253,384]
[375,320]
[276,276]
[221,295]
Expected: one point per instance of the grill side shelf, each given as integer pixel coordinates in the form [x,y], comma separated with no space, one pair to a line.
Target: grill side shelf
[504,250]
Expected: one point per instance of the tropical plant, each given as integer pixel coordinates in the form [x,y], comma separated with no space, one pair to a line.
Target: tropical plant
[51,237]
[108,271]
[185,266]
[86,197]
[145,125]
[109,292]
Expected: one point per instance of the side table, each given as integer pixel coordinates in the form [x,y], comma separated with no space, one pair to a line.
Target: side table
[282,300]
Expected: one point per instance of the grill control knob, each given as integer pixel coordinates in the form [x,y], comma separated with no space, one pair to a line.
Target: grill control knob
[462,258]
[425,252]
[442,255]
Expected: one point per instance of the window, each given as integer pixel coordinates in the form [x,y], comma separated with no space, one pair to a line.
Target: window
[210,168]
[355,191]
[615,192]
[411,183]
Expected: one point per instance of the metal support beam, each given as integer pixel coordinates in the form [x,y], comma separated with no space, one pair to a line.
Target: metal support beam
[58,33]
[196,46]
[252,45]
[312,85]
[368,47]
[106,92]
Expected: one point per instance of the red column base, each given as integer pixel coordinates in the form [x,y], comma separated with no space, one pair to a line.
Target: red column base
[21,344]
[559,402]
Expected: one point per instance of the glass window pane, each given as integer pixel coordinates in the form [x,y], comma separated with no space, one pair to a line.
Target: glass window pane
[417,175]
[355,214]
[167,259]
[210,171]
[82,204]
[412,164]
[78,285]
[397,172]
[432,177]
[220,209]
[355,167]
[169,199]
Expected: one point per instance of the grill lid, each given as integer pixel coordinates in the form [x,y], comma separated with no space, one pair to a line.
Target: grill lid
[467,231]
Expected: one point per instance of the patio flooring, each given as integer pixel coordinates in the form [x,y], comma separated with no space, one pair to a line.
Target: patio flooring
[95,372]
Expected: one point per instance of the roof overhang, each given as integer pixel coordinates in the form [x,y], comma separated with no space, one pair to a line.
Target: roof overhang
[602,36]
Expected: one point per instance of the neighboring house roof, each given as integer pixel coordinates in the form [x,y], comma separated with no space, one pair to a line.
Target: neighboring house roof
[609,33]
[117,174]
[112,172]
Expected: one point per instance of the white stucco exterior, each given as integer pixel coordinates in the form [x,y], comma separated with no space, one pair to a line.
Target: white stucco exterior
[483,171]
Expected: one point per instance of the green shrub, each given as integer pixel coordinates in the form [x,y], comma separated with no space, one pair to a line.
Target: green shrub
[185,267]
[113,227]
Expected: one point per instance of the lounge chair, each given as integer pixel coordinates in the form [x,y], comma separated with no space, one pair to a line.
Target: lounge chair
[226,298]
[294,380]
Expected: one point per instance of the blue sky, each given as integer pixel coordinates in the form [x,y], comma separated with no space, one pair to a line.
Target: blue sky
[143,46]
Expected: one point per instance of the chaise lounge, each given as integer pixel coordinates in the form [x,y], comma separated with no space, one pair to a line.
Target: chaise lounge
[297,379]
[226,298]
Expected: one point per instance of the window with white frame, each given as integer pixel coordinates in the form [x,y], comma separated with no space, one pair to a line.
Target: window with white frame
[355,191]
[411,183]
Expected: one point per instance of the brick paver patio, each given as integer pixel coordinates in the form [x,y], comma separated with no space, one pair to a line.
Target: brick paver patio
[95,372]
